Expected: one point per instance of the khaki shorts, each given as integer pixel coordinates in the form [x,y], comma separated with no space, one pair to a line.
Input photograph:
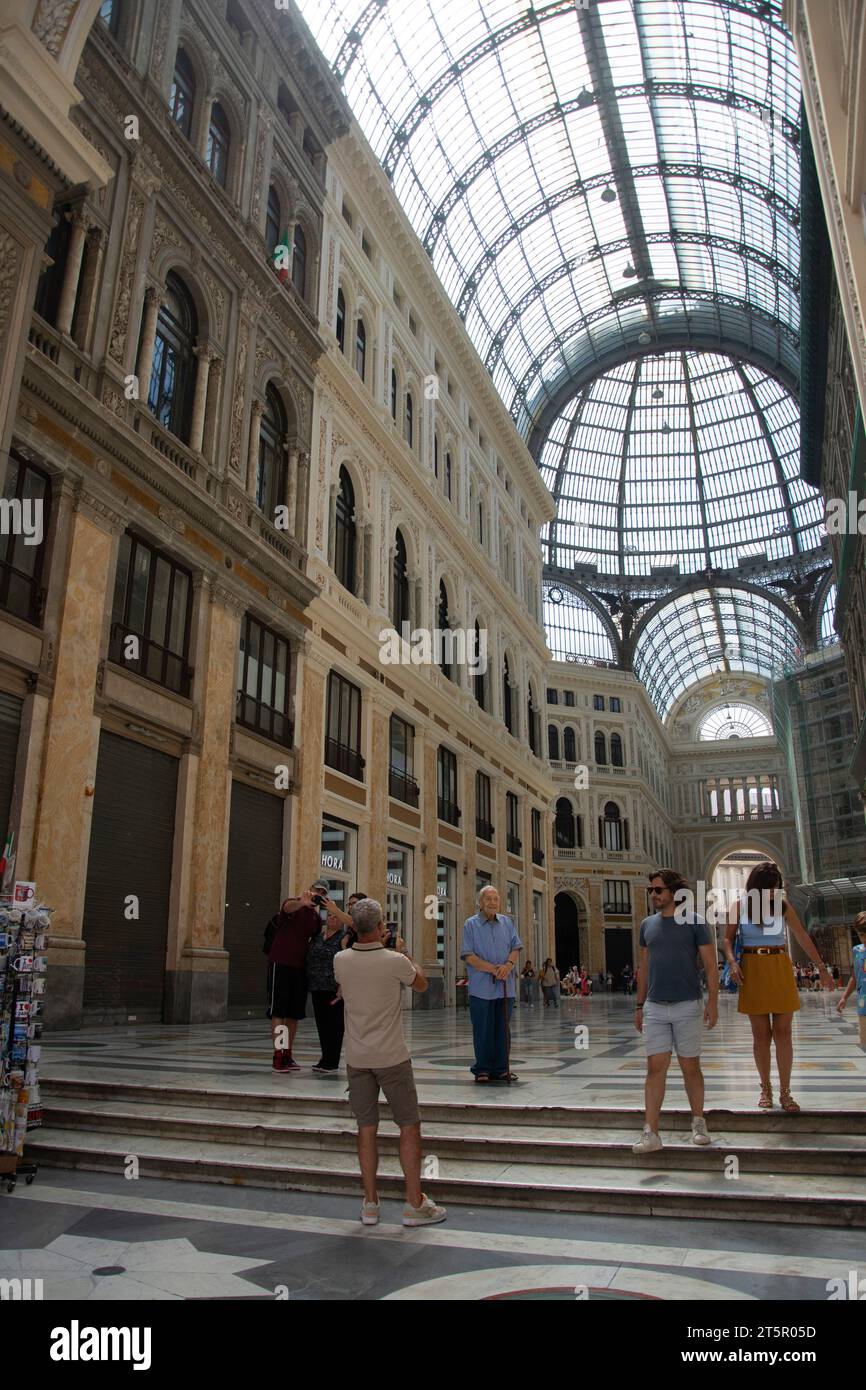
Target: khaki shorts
[674,1027]
[398,1083]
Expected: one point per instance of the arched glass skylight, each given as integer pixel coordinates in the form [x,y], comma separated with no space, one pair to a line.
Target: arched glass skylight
[828,618]
[735,721]
[575,631]
[705,631]
[683,459]
[587,179]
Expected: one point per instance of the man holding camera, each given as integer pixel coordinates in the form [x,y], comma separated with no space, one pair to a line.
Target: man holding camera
[289,934]
[370,978]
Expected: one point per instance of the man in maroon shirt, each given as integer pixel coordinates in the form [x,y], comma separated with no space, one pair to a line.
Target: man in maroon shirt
[294,926]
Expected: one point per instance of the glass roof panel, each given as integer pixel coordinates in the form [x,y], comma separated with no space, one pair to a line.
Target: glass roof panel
[502,125]
[735,721]
[708,631]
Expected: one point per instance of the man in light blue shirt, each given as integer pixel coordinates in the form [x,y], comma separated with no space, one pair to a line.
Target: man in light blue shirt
[490,948]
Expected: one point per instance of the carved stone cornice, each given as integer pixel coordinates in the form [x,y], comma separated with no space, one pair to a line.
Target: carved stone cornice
[98,510]
[230,599]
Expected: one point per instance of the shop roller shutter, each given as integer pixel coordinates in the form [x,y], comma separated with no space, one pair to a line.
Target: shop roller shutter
[130,854]
[252,893]
[10,729]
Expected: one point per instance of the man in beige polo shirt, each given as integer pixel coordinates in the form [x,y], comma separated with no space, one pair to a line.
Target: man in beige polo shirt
[370,979]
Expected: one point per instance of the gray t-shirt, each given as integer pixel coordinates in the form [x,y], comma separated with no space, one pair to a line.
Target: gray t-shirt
[673,956]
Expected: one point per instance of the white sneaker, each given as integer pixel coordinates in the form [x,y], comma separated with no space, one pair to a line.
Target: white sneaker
[370,1214]
[648,1143]
[699,1130]
[428,1214]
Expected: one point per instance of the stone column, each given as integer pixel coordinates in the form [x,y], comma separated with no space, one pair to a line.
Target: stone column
[197,977]
[367,593]
[196,433]
[303,493]
[376,771]
[70,749]
[332,530]
[152,305]
[291,486]
[72,274]
[257,410]
[311,756]
[425,759]
[212,414]
[90,287]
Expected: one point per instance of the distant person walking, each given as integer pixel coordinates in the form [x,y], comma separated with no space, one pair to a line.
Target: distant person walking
[858,977]
[490,948]
[549,978]
[527,984]
[765,974]
[670,1009]
[371,980]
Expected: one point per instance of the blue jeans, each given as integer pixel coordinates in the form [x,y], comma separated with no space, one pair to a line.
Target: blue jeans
[488,1035]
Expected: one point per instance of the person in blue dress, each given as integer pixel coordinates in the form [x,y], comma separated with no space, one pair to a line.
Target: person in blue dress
[858,977]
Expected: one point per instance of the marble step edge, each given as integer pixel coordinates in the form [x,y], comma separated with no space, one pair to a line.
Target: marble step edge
[520,1110]
[751,1157]
[788,1208]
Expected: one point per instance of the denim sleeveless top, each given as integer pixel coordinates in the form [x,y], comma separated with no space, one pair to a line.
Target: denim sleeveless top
[771,934]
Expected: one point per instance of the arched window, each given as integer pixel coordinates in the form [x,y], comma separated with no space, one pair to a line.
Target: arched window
[410,419]
[569,746]
[172,378]
[444,624]
[612,837]
[361,350]
[400,587]
[182,98]
[50,286]
[563,825]
[553,743]
[600,750]
[299,261]
[341,320]
[218,143]
[480,678]
[273,226]
[616,750]
[435,456]
[271,476]
[344,541]
[507,713]
[109,15]
[448,476]
[531,724]
[393,395]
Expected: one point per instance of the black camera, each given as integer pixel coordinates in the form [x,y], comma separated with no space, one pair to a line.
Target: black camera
[318,900]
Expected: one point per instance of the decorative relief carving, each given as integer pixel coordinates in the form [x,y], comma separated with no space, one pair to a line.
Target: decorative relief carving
[218,300]
[163,233]
[47,663]
[235,505]
[9,276]
[100,677]
[113,400]
[51,23]
[276,597]
[265,127]
[323,495]
[240,390]
[172,518]
[160,42]
[132,232]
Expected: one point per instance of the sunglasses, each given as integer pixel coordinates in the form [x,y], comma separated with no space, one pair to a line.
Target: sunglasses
[658,890]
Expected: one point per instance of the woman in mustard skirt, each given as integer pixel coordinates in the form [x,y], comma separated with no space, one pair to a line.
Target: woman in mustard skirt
[765,974]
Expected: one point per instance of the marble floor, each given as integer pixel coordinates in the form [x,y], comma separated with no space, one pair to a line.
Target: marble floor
[95,1236]
[602,1065]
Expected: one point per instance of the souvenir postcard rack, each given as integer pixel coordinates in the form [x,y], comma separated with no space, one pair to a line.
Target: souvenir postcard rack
[23,961]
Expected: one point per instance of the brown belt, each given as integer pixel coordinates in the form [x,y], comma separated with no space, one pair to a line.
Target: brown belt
[764,950]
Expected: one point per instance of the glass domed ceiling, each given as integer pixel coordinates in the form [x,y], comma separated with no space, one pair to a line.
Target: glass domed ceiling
[587,179]
[686,459]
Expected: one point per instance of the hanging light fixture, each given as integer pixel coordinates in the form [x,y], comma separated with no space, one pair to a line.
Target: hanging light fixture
[629,273]
[608,196]
[584,99]
[666,429]
[644,337]
[658,394]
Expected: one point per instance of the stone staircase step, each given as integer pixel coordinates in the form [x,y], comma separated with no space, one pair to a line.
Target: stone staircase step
[794,1198]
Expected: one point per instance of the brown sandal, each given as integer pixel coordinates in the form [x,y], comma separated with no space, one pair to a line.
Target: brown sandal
[788,1104]
[765,1100]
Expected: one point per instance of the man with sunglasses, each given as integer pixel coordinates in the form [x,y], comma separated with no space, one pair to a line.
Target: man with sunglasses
[670,1009]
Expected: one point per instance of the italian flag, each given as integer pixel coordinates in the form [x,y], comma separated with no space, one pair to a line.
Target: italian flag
[283,259]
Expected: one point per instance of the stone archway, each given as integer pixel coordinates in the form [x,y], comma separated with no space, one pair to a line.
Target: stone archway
[571,925]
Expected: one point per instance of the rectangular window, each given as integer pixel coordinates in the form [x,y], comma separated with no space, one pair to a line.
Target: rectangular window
[343,732]
[569,698]
[514,844]
[446,786]
[264,682]
[483,818]
[446,874]
[552,696]
[617,897]
[512,903]
[614,705]
[151,615]
[537,848]
[598,702]
[338,859]
[401,780]
[27,495]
